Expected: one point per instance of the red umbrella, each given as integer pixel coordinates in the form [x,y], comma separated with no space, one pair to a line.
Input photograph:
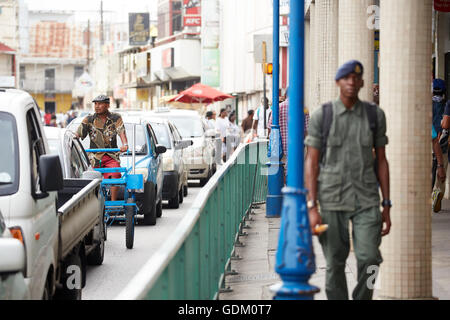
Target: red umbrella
[200,93]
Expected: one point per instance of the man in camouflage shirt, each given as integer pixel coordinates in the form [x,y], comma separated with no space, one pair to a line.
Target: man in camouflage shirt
[103,127]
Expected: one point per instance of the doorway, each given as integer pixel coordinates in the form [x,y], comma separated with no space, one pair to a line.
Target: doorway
[50,107]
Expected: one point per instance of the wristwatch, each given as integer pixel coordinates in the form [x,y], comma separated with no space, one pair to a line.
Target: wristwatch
[311,204]
[440,165]
[386,203]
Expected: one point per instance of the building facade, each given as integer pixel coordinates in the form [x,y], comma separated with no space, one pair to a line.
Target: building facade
[409,51]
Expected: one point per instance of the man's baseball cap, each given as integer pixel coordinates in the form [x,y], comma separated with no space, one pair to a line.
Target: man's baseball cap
[438,85]
[101,98]
[352,66]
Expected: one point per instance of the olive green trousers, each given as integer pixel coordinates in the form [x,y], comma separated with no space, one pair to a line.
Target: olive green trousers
[366,234]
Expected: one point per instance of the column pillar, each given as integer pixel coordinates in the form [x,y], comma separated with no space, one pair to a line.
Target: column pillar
[307,63]
[327,48]
[405,95]
[312,79]
[356,40]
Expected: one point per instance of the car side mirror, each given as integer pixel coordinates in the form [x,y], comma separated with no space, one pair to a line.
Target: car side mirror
[50,173]
[160,149]
[12,255]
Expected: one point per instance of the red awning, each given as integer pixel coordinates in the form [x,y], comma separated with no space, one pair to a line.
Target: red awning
[5,48]
[200,93]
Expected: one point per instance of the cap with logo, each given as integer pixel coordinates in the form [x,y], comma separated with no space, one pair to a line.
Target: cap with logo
[352,66]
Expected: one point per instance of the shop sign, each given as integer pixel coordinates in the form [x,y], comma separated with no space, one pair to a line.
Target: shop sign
[139,28]
[192,21]
[442,5]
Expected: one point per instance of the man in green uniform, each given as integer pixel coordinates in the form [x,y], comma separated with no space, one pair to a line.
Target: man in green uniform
[342,179]
[103,127]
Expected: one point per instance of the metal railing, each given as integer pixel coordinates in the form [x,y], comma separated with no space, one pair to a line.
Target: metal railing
[192,263]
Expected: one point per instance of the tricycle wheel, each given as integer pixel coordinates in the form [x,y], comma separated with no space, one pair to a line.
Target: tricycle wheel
[129,227]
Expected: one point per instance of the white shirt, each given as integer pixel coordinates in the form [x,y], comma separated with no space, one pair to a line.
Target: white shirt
[222,126]
[259,115]
[211,123]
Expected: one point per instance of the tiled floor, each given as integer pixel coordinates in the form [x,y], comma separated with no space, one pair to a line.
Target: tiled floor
[256,268]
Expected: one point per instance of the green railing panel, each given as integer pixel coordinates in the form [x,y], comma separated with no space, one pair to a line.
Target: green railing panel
[192,263]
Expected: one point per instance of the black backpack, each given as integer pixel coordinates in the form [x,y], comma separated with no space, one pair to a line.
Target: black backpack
[327,119]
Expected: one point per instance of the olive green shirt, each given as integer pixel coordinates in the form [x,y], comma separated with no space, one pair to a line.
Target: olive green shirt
[347,177]
[102,135]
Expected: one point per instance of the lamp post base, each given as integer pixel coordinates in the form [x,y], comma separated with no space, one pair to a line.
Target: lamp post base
[275,171]
[293,291]
[295,256]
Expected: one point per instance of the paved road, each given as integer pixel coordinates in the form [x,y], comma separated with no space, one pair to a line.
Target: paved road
[120,265]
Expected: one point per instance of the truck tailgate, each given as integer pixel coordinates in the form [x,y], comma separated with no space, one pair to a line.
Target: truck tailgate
[78,216]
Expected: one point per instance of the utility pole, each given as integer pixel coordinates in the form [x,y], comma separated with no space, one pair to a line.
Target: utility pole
[88,45]
[295,261]
[102,36]
[275,154]
[264,48]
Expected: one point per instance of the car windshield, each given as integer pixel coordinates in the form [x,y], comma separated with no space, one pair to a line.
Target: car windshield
[188,127]
[9,157]
[141,141]
[162,134]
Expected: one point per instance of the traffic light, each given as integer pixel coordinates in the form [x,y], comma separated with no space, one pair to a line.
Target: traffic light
[268,68]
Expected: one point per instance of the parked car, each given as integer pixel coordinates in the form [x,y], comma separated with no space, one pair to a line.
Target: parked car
[74,160]
[12,266]
[59,221]
[175,186]
[199,157]
[149,163]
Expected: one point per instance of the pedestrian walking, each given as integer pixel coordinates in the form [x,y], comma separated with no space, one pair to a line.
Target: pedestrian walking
[439,166]
[258,118]
[248,122]
[210,120]
[103,127]
[342,175]
[47,118]
[233,132]
[439,157]
[283,119]
[222,124]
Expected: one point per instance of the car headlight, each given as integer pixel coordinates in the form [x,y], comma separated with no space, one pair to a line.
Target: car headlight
[168,164]
[144,172]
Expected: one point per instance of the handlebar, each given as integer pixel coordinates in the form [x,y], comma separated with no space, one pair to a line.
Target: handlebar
[101,150]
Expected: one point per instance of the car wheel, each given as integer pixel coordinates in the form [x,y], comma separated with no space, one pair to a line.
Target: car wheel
[181,195]
[149,207]
[97,255]
[68,293]
[185,190]
[159,209]
[174,203]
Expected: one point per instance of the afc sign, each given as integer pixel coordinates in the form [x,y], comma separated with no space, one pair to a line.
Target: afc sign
[192,21]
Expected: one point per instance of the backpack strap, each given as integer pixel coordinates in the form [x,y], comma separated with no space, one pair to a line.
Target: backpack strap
[327,119]
[371,110]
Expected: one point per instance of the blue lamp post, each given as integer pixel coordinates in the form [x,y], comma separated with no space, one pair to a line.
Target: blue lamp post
[275,167]
[295,261]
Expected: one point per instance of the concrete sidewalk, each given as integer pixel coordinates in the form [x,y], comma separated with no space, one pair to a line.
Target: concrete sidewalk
[256,269]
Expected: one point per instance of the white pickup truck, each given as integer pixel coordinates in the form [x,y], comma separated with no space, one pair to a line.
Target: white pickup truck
[59,221]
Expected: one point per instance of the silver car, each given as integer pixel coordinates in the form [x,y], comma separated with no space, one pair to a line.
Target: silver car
[175,185]
[199,158]
[74,160]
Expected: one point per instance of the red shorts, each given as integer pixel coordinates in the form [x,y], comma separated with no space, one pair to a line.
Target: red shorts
[108,162]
